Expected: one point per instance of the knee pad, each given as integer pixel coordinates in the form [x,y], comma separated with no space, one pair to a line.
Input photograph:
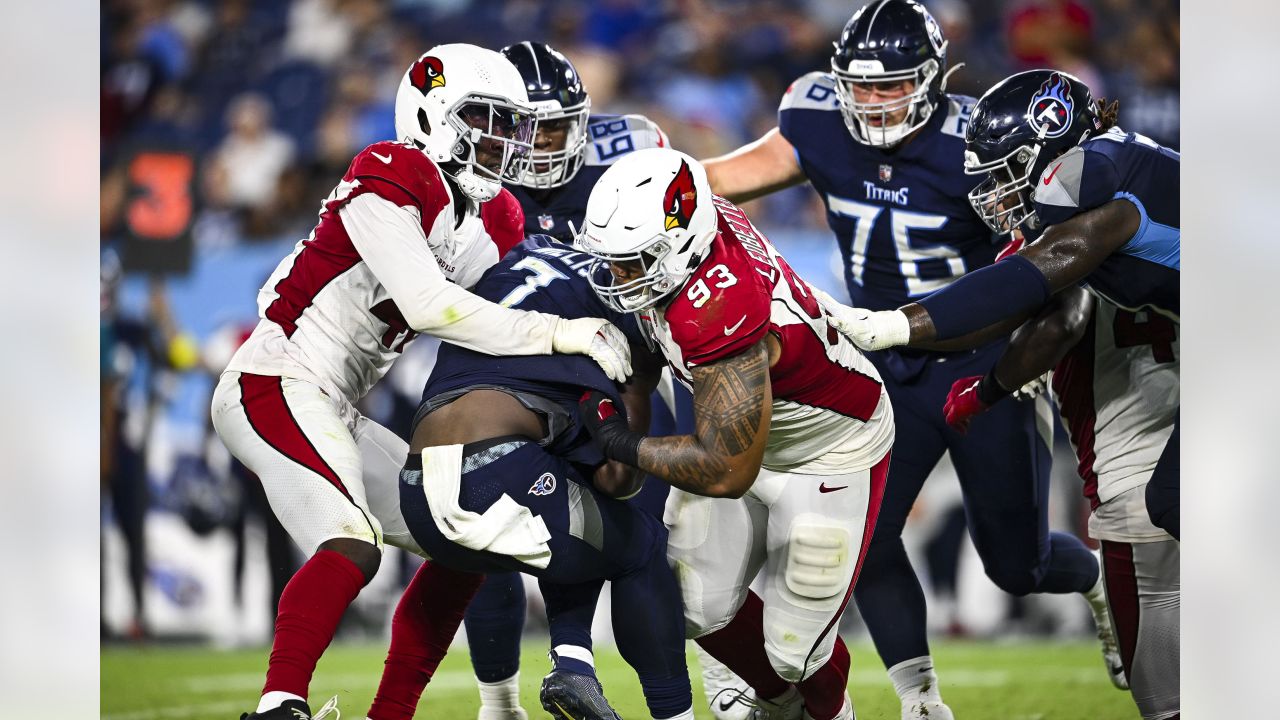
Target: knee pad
[703,613]
[820,559]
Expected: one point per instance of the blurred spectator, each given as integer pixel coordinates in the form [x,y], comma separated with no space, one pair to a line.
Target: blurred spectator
[245,169]
[318,32]
[1148,84]
[1054,34]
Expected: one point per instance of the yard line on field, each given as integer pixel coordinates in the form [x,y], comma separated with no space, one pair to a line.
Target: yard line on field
[989,678]
[452,680]
[448,680]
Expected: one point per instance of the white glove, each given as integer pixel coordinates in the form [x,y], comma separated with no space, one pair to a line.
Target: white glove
[1032,390]
[599,340]
[868,330]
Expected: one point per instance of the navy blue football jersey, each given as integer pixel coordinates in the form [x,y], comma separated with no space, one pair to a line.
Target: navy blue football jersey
[609,137]
[901,216]
[1144,273]
[544,275]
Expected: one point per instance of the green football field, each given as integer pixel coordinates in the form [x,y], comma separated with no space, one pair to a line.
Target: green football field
[980,681]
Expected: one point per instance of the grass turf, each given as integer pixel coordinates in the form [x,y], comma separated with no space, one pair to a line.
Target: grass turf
[980,681]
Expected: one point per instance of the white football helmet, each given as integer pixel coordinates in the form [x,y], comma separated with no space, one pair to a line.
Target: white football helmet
[652,208]
[466,108]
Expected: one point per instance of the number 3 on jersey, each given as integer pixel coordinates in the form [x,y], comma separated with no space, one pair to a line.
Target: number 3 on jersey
[864,218]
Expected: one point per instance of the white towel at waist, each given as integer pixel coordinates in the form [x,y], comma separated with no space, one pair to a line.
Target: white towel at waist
[505,528]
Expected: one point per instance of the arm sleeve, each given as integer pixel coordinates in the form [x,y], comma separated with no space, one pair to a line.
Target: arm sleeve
[391,242]
[986,296]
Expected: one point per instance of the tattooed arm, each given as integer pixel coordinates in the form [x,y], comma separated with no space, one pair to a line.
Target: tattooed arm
[732,405]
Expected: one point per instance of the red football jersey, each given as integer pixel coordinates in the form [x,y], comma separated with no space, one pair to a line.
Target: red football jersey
[830,412]
[325,316]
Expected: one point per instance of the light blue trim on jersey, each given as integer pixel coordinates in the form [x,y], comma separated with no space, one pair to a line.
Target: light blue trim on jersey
[1157,243]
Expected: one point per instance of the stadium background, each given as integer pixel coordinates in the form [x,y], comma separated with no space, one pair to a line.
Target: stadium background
[223,124]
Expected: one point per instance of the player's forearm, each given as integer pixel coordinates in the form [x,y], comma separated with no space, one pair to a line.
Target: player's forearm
[762,167]
[1041,343]
[1012,288]
[683,462]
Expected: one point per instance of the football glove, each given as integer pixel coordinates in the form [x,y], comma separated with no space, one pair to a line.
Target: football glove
[599,340]
[608,428]
[869,330]
[970,397]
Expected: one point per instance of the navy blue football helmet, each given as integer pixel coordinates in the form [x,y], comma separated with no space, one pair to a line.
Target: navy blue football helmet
[562,106]
[1017,128]
[890,42]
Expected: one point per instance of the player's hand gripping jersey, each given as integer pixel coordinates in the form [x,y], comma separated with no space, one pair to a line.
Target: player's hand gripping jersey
[830,412]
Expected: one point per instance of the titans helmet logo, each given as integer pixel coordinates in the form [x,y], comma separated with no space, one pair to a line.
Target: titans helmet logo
[681,198]
[427,74]
[1051,107]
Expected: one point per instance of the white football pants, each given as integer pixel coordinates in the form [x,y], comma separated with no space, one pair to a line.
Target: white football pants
[807,532]
[325,477]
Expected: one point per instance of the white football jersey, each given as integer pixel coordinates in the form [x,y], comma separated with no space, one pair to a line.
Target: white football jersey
[1118,392]
[325,316]
[830,413]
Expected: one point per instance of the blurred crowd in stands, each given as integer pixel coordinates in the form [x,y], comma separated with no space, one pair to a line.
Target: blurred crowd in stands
[272,98]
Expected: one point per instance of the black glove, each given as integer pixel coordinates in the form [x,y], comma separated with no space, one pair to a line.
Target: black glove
[608,428]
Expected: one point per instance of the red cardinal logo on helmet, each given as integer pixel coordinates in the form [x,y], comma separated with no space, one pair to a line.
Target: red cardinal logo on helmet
[681,198]
[427,74]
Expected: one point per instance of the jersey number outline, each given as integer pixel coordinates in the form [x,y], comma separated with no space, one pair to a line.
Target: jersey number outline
[1154,330]
[699,293]
[620,145]
[902,222]
[542,275]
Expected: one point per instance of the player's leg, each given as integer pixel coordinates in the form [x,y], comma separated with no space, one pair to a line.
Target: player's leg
[819,530]
[721,613]
[495,622]
[1004,464]
[495,617]
[888,592]
[289,434]
[425,621]
[1143,587]
[1163,491]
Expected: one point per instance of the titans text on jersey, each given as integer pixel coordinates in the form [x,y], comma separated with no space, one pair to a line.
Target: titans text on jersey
[901,218]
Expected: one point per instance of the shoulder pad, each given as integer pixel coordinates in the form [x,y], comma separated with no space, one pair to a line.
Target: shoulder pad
[814,91]
[1078,180]
[503,219]
[959,108]
[609,137]
[723,309]
[407,177]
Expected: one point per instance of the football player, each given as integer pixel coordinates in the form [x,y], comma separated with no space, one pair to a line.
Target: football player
[571,149]
[411,225]
[509,425]
[1097,205]
[786,468]
[1115,375]
[882,143]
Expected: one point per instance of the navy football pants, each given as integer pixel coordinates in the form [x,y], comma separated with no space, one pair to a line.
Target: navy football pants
[495,618]
[1003,466]
[593,538]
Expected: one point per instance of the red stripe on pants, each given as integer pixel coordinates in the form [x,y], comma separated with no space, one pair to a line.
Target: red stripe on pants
[1122,596]
[263,399]
[879,475]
